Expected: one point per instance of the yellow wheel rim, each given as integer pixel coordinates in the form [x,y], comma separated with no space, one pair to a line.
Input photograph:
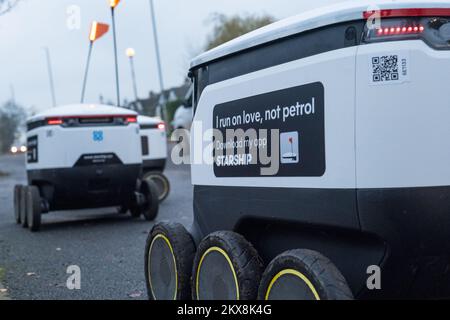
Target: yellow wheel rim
[223,253]
[166,240]
[293,273]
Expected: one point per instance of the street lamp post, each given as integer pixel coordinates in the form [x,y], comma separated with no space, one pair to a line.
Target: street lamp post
[158,58]
[130,54]
[86,71]
[113,4]
[50,75]
[97,31]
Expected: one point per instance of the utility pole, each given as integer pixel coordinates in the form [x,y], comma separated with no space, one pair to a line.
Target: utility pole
[130,54]
[113,4]
[86,71]
[50,76]
[158,59]
[97,31]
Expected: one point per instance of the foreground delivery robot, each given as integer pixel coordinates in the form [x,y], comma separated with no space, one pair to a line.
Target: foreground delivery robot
[83,156]
[348,193]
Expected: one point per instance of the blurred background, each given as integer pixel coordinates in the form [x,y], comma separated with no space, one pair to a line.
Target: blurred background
[44,45]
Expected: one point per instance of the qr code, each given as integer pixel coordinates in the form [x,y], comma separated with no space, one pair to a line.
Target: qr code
[385,68]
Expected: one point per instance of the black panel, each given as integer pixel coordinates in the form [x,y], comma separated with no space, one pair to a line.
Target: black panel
[297,113]
[145,146]
[222,208]
[415,222]
[281,51]
[404,231]
[86,187]
[97,159]
[148,126]
[33,149]
[82,122]
[36,124]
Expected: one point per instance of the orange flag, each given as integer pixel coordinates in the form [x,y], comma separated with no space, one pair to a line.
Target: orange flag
[97,30]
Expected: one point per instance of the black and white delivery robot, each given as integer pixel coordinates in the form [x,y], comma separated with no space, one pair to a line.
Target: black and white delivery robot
[154,153]
[333,180]
[83,156]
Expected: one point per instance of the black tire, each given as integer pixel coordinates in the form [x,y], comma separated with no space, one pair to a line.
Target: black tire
[23,206]
[303,275]
[34,209]
[161,182]
[122,210]
[135,211]
[17,194]
[151,207]
[226,267]
[165,240]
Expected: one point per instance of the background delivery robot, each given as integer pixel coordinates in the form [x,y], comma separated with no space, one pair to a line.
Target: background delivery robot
[154,153]
[83,156]
[357,180]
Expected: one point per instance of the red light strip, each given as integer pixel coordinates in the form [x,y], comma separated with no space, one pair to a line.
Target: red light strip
[59,121]
[54,122]
[131,119]
[389,31]
[94,117]
[416,12]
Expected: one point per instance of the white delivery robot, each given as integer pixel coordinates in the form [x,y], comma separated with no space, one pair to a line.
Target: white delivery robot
[333,181]
[83,156]
[154,153]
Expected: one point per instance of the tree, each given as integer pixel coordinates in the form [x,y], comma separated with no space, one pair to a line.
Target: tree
[12,120]
[7,5]
[229,28]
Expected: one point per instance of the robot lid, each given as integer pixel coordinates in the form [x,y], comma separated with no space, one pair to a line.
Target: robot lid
[82,110]
[144,120]
[347,11]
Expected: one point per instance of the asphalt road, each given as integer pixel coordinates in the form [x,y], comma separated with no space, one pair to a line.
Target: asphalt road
[108,247]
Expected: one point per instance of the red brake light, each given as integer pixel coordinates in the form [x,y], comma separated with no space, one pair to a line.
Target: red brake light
[429,25]
[400,30]
[131,119]
[414,12]
[54,122]
[162,126]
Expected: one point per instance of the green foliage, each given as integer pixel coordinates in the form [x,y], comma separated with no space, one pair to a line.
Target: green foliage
[12,118]
[229,28]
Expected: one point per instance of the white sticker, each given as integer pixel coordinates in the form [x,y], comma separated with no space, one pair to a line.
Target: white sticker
[389,68]
[289,147]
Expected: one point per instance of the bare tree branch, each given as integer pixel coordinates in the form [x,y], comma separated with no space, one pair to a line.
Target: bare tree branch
[7,5]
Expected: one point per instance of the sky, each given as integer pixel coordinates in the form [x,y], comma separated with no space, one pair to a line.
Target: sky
[63,27]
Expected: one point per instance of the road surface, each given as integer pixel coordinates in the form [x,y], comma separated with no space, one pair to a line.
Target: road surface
[108,247]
